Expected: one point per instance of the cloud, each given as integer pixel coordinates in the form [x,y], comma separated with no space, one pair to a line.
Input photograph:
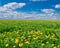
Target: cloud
[48,10]
[14,5]
[24,15]
[57,6]
[8,11]
[37,0]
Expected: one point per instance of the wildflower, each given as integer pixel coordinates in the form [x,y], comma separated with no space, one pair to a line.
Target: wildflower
[34,38]
[31,32]
[27,42]
[52,37]
[14,46]
[58,46]
[22,37]
[17,32]
[42,44]
[21,44]
[16,40]
[47,42]
[29,36]
[41,33]
[54,47]
[47,36]
[52,44]
[7,45]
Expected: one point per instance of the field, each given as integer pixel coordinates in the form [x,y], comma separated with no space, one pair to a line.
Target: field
[29,34]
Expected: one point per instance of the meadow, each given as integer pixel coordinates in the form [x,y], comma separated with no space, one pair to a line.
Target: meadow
[29,33]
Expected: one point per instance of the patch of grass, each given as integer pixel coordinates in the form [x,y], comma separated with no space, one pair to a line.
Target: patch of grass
[29,34]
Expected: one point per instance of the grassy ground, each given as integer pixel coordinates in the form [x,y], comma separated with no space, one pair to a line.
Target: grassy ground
[29,34]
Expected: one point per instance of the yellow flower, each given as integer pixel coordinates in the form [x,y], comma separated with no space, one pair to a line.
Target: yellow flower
[41,33]
[7,45]
[16,40]
[52,44]
[22,37]
[42,44]
[47,42]
[52,37]
[32,32]
[47,36]
[17,32]
[35,38]
[54,47]
[27,42]
[58,46]
[14,46]
[36,32]
[29,36]
[21,44]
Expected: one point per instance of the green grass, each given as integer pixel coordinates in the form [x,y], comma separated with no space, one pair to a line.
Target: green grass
[29,33]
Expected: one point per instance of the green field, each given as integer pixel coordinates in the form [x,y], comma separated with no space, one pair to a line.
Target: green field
[29,34]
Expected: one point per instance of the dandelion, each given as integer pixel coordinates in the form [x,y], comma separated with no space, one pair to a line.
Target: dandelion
[7,45]
[42,44]
[52,44]
[34,38]
[58,46]
[47,36]
[14,46]
[27,42]
[17,32]
[21,44]
[47,42]
[54,47]
[52,37]
[29,36]
[31,32]
[22,37]
[41,33]
[16,40]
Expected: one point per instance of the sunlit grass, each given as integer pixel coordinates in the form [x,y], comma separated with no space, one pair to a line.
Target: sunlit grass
[29,34]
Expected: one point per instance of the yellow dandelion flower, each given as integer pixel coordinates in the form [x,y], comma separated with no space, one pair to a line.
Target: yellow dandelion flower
[47,36]
[29,36]
[27,42]
[41,41]
[17,32]
[34,35]
[22,37]
[14,46]
[58,46]
[21,44]
[47,42]
[52,44]
[54,47]
[42,44]
[36,32]
[34,38]
[41,33]
[16,40]
[7,45]
[52,37]
[31,32]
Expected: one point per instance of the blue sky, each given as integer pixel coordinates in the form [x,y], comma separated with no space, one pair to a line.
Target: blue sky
[30,9]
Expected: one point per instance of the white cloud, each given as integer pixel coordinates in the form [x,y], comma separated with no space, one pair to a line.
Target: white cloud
[7,13]
[48,10]
[14,5]
[57,6]
[37,0]
[24,15]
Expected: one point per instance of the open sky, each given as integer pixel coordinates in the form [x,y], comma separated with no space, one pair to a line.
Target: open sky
[30,9]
